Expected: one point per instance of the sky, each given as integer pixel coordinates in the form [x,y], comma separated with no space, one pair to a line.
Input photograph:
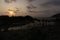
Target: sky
[35,8]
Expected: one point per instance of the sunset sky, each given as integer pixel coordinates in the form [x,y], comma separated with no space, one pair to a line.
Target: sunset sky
[36,8]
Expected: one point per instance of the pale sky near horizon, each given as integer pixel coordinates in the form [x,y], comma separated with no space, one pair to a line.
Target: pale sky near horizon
[20,4]
[37,8]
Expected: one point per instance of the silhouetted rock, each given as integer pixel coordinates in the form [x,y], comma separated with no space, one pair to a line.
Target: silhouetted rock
[56,15]
[6,21]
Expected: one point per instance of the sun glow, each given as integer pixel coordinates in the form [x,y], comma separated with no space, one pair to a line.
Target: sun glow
[11,13]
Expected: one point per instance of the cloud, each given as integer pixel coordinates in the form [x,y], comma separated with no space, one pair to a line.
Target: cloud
[50,8]
[31,6]
[9,1]
[51,3]
[49,13]
[30,0]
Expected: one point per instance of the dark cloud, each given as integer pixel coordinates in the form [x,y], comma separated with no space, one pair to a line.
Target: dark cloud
[30,0]
[52,2]
[50,8]
[46,8]
[9,1]
[31,7]
[34,11]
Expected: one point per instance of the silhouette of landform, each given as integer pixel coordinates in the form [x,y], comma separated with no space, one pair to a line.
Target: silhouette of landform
[42,31]
[6,21]
[57,15]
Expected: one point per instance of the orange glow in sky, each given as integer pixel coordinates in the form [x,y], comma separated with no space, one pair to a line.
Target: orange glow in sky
[11,13]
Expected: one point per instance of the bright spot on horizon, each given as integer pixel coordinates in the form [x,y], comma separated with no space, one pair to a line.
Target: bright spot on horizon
[11,13]
[18,7]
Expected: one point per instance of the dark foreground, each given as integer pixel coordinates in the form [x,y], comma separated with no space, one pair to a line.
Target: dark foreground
[36,33]
[47,32]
